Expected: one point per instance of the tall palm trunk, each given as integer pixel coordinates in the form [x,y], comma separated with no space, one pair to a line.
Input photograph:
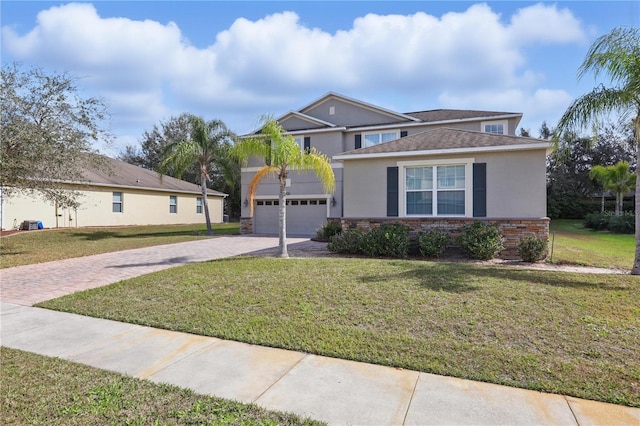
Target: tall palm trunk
[283,217]
[636,263]
[205,203]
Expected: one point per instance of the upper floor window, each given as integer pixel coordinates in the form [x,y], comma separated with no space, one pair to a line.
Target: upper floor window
[300,141]
[495,127]
[173,204]
[117,202]
[371,139]
[199,205]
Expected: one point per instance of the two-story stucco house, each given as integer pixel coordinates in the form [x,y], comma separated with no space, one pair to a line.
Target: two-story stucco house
[429,168]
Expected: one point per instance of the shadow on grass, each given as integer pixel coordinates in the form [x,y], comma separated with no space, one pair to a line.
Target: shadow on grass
[464,277]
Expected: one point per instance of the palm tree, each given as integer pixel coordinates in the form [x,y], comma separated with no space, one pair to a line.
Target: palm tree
[282,154]
[205,149]
[618,55]
[617,179]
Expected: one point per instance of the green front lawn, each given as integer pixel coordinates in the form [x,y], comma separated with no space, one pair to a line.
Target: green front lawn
[31,247]
[577,245]
[568,333]
[49,391]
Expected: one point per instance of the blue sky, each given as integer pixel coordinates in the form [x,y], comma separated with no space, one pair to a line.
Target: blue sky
[238,60]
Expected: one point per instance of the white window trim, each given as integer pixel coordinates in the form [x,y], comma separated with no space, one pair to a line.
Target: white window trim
[121,202]
[300,142]
[468,184]
[364,135]
[201,205]
[505,125]
[171,205]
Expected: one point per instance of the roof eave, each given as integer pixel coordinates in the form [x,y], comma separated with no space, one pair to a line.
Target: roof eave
[501,148]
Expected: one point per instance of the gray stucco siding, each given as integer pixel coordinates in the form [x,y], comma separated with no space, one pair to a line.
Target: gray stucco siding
[347,114]
[516,183]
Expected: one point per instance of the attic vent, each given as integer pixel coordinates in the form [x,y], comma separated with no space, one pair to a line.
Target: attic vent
[332,110]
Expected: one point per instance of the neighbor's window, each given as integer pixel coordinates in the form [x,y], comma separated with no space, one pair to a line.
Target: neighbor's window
[371,139]
[435,190]
[117,202]
[198,205]
[495,127]
[173,204]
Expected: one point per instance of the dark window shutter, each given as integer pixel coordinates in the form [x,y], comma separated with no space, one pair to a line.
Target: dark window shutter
[392,191]
[480,190]
[403,133]
[358,141]
[307,143]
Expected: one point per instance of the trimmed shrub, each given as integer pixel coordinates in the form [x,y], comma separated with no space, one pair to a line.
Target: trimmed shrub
[532,249]
[328,230]
[481,240]
[387,240]
[597,221]
[346,242]
[433,243]
[625,224]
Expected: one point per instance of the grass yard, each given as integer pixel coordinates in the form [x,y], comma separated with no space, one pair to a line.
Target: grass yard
[31,247]
[575,244]
[568,333]
[51,391]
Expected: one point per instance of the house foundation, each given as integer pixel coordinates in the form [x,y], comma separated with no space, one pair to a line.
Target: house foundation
[512,229]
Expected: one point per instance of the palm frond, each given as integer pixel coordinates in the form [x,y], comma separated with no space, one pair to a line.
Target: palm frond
[589,107]
[253,185]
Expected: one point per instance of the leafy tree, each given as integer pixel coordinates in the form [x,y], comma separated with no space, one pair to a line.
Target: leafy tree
[617,178]
[569,187]
[155,141]
[47,131]
[224,174]
[282,154]
[616,54]
[205,144]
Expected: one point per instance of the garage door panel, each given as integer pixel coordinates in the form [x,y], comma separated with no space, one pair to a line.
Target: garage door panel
[304,217]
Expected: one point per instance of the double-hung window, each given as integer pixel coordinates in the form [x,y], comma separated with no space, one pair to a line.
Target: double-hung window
[435,190]
[300,141]
[117,202]
[173,204]
[198,205]
[371,139]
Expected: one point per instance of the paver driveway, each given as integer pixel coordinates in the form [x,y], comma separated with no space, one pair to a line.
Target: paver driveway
[30,284]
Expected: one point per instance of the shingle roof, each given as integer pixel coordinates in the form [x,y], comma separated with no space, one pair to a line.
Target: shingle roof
[455,114]
[120,174]
[444,138]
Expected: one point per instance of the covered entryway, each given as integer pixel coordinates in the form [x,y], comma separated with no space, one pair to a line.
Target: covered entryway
[304,216]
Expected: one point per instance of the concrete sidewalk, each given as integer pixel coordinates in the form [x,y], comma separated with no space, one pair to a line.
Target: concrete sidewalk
[333,390]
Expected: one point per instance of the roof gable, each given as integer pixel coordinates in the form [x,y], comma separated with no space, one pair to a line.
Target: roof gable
[343,111]
[443,115]
[297,121]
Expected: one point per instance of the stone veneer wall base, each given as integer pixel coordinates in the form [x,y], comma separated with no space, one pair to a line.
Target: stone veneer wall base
[512,229]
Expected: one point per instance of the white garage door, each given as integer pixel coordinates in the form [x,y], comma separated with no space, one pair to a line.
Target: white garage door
[304,216]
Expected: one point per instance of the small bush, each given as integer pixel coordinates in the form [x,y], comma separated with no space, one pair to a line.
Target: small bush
[387,240]
[328,230]
[481,240]
[597,221]
[625,224]
[532,249]
[433,243]
[346,242]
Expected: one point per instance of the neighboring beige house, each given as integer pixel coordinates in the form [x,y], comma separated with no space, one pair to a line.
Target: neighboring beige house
[122,194]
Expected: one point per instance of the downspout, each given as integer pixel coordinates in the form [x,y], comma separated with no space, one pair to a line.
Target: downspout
[1,207]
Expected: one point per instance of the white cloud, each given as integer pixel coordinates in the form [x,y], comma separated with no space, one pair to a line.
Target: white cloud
[545,24]
[148,70]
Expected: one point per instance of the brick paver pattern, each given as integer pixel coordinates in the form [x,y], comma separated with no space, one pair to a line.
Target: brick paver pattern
[30,284]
